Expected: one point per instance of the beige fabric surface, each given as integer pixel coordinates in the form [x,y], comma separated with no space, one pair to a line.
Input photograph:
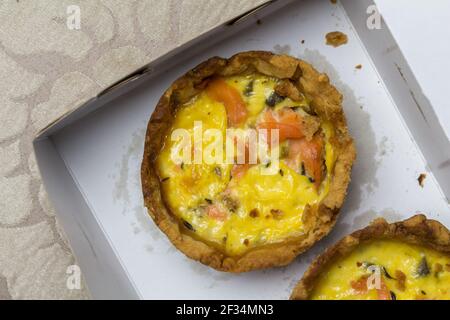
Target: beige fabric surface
[46,69]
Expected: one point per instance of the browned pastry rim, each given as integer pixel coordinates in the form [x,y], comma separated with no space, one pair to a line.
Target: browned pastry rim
[416,230]
[326,102]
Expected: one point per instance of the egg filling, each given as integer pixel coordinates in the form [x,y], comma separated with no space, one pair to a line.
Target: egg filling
[404,271]
[236,207]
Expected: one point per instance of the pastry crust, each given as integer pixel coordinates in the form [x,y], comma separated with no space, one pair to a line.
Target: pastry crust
[416,230]
[326,102]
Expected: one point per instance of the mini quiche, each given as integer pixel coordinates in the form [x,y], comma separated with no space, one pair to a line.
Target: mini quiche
[231,215]
[400,261]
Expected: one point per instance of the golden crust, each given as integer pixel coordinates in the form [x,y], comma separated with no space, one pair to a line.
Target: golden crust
[415,230]
[326,101]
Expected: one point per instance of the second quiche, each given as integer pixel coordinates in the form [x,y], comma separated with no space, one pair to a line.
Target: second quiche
[250,212]
[405,260]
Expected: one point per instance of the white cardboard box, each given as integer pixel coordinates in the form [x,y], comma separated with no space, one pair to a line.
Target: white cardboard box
[90,159]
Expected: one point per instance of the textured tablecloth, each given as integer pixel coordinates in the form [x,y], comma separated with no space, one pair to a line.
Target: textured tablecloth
[47,69]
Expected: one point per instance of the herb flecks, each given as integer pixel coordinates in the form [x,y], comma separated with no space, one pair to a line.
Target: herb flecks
[248,90]
[423,269]
[393,296]
[274,99]
[302,169]
[386,273]
[231,203]
[188,225]
[366,264]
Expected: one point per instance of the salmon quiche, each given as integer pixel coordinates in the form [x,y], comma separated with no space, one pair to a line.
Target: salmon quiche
[238,209]
[406,260]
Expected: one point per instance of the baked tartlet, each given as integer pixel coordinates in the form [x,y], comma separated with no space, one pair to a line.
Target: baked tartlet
[235,217]
[399,261]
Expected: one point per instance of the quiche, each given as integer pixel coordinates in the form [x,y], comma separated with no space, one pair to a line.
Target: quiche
[406,260]
[247,160]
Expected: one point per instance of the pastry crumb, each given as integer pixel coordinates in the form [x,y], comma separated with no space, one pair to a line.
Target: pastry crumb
[358,66]
[333,1]
[336,38]
[421,179]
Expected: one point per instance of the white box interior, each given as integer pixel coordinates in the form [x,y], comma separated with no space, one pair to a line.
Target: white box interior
[103,153]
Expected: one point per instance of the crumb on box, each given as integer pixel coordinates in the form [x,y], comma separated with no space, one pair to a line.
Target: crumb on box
[358,66]
[421,179]
[303,41]
[336,38]
[333,1]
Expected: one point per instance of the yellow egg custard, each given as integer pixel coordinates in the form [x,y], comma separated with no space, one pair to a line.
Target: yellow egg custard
[235,203]
[237,212]
[408,260]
